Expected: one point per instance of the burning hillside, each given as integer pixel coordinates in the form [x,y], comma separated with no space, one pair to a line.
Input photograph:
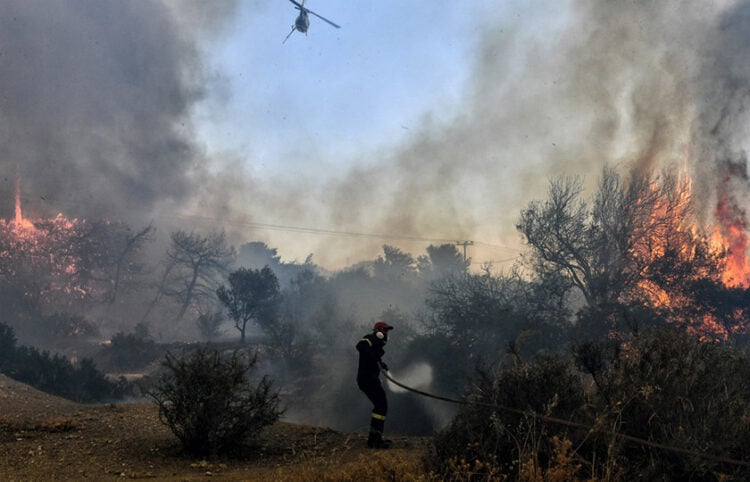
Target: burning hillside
[61,263]
[42,254]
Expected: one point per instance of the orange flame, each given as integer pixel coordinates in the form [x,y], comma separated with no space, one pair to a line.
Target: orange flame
[731,236]
[42,250]
[669,232]
[20,222]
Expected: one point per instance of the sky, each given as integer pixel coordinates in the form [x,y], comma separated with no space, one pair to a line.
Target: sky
[311,109]
[337,94]
[315,109]
[415,123]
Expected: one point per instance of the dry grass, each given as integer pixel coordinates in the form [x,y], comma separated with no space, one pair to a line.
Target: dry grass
[45,438]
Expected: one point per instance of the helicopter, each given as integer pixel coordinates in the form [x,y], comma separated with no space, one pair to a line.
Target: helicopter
[302,23]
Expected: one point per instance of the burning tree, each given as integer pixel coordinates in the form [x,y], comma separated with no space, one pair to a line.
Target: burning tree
[51,259]
[731,231]
[63,265]
[636,246]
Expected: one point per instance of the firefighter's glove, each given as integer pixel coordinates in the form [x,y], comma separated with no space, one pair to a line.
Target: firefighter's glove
[383,366]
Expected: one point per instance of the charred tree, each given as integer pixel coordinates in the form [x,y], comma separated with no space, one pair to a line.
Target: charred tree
[195,265]
[124,264]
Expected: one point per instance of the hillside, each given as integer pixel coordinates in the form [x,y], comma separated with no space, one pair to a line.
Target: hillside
[43,437]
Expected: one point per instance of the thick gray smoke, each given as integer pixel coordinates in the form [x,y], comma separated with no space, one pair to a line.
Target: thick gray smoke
[565,91]
[95,99]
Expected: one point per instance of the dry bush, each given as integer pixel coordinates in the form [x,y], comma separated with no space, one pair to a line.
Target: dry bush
[668,387]
[489,437]
[210,403]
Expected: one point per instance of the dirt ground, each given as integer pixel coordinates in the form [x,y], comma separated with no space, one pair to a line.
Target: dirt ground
[43,437]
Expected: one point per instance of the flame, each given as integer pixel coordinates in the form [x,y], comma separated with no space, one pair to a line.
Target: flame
[664,229]
[21,224]
[730,235]
[41,253]
[669,238]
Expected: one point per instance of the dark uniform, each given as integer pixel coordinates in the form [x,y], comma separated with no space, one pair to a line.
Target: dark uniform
[371,351]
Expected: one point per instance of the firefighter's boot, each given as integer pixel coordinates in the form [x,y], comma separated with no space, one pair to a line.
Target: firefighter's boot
[375,440]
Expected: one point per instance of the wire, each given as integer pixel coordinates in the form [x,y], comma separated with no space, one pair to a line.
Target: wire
[297,229]
[332,232]
[302,229]
[317,231]
[506,260]
[560,421]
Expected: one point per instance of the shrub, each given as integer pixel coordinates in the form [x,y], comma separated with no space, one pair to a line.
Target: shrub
[91,385]
[54,373]
[130,351]
[208,401]
[67,325]
[7,347]
[669,387]
[496,430]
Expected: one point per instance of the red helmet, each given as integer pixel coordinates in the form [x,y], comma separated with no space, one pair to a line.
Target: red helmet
[382,326]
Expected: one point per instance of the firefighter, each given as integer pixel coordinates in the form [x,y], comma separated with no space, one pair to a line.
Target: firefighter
[370,349]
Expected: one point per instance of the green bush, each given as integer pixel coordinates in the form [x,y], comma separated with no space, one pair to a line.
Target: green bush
[129,352]
[67,325]
[210,403]
[54,373]
[7,348]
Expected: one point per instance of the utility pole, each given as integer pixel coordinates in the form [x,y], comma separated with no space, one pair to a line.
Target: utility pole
[464,244]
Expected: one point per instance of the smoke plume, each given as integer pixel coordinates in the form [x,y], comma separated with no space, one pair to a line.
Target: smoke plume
[95,100]
[647,85]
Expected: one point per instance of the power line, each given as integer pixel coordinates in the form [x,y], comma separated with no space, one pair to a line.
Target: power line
[506,260]
[496,246]
[309,230]
[333,232]
[298,229]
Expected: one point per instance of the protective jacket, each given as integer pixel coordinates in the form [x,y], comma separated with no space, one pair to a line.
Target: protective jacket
[370,349]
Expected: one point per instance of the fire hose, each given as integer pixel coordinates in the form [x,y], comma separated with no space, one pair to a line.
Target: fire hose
[560,421]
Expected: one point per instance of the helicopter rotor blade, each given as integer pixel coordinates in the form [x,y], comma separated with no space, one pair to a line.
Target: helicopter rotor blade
[299,6]
[322,18]
[290,34]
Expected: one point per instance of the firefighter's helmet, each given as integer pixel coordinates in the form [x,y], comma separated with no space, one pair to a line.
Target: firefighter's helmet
[382,326]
